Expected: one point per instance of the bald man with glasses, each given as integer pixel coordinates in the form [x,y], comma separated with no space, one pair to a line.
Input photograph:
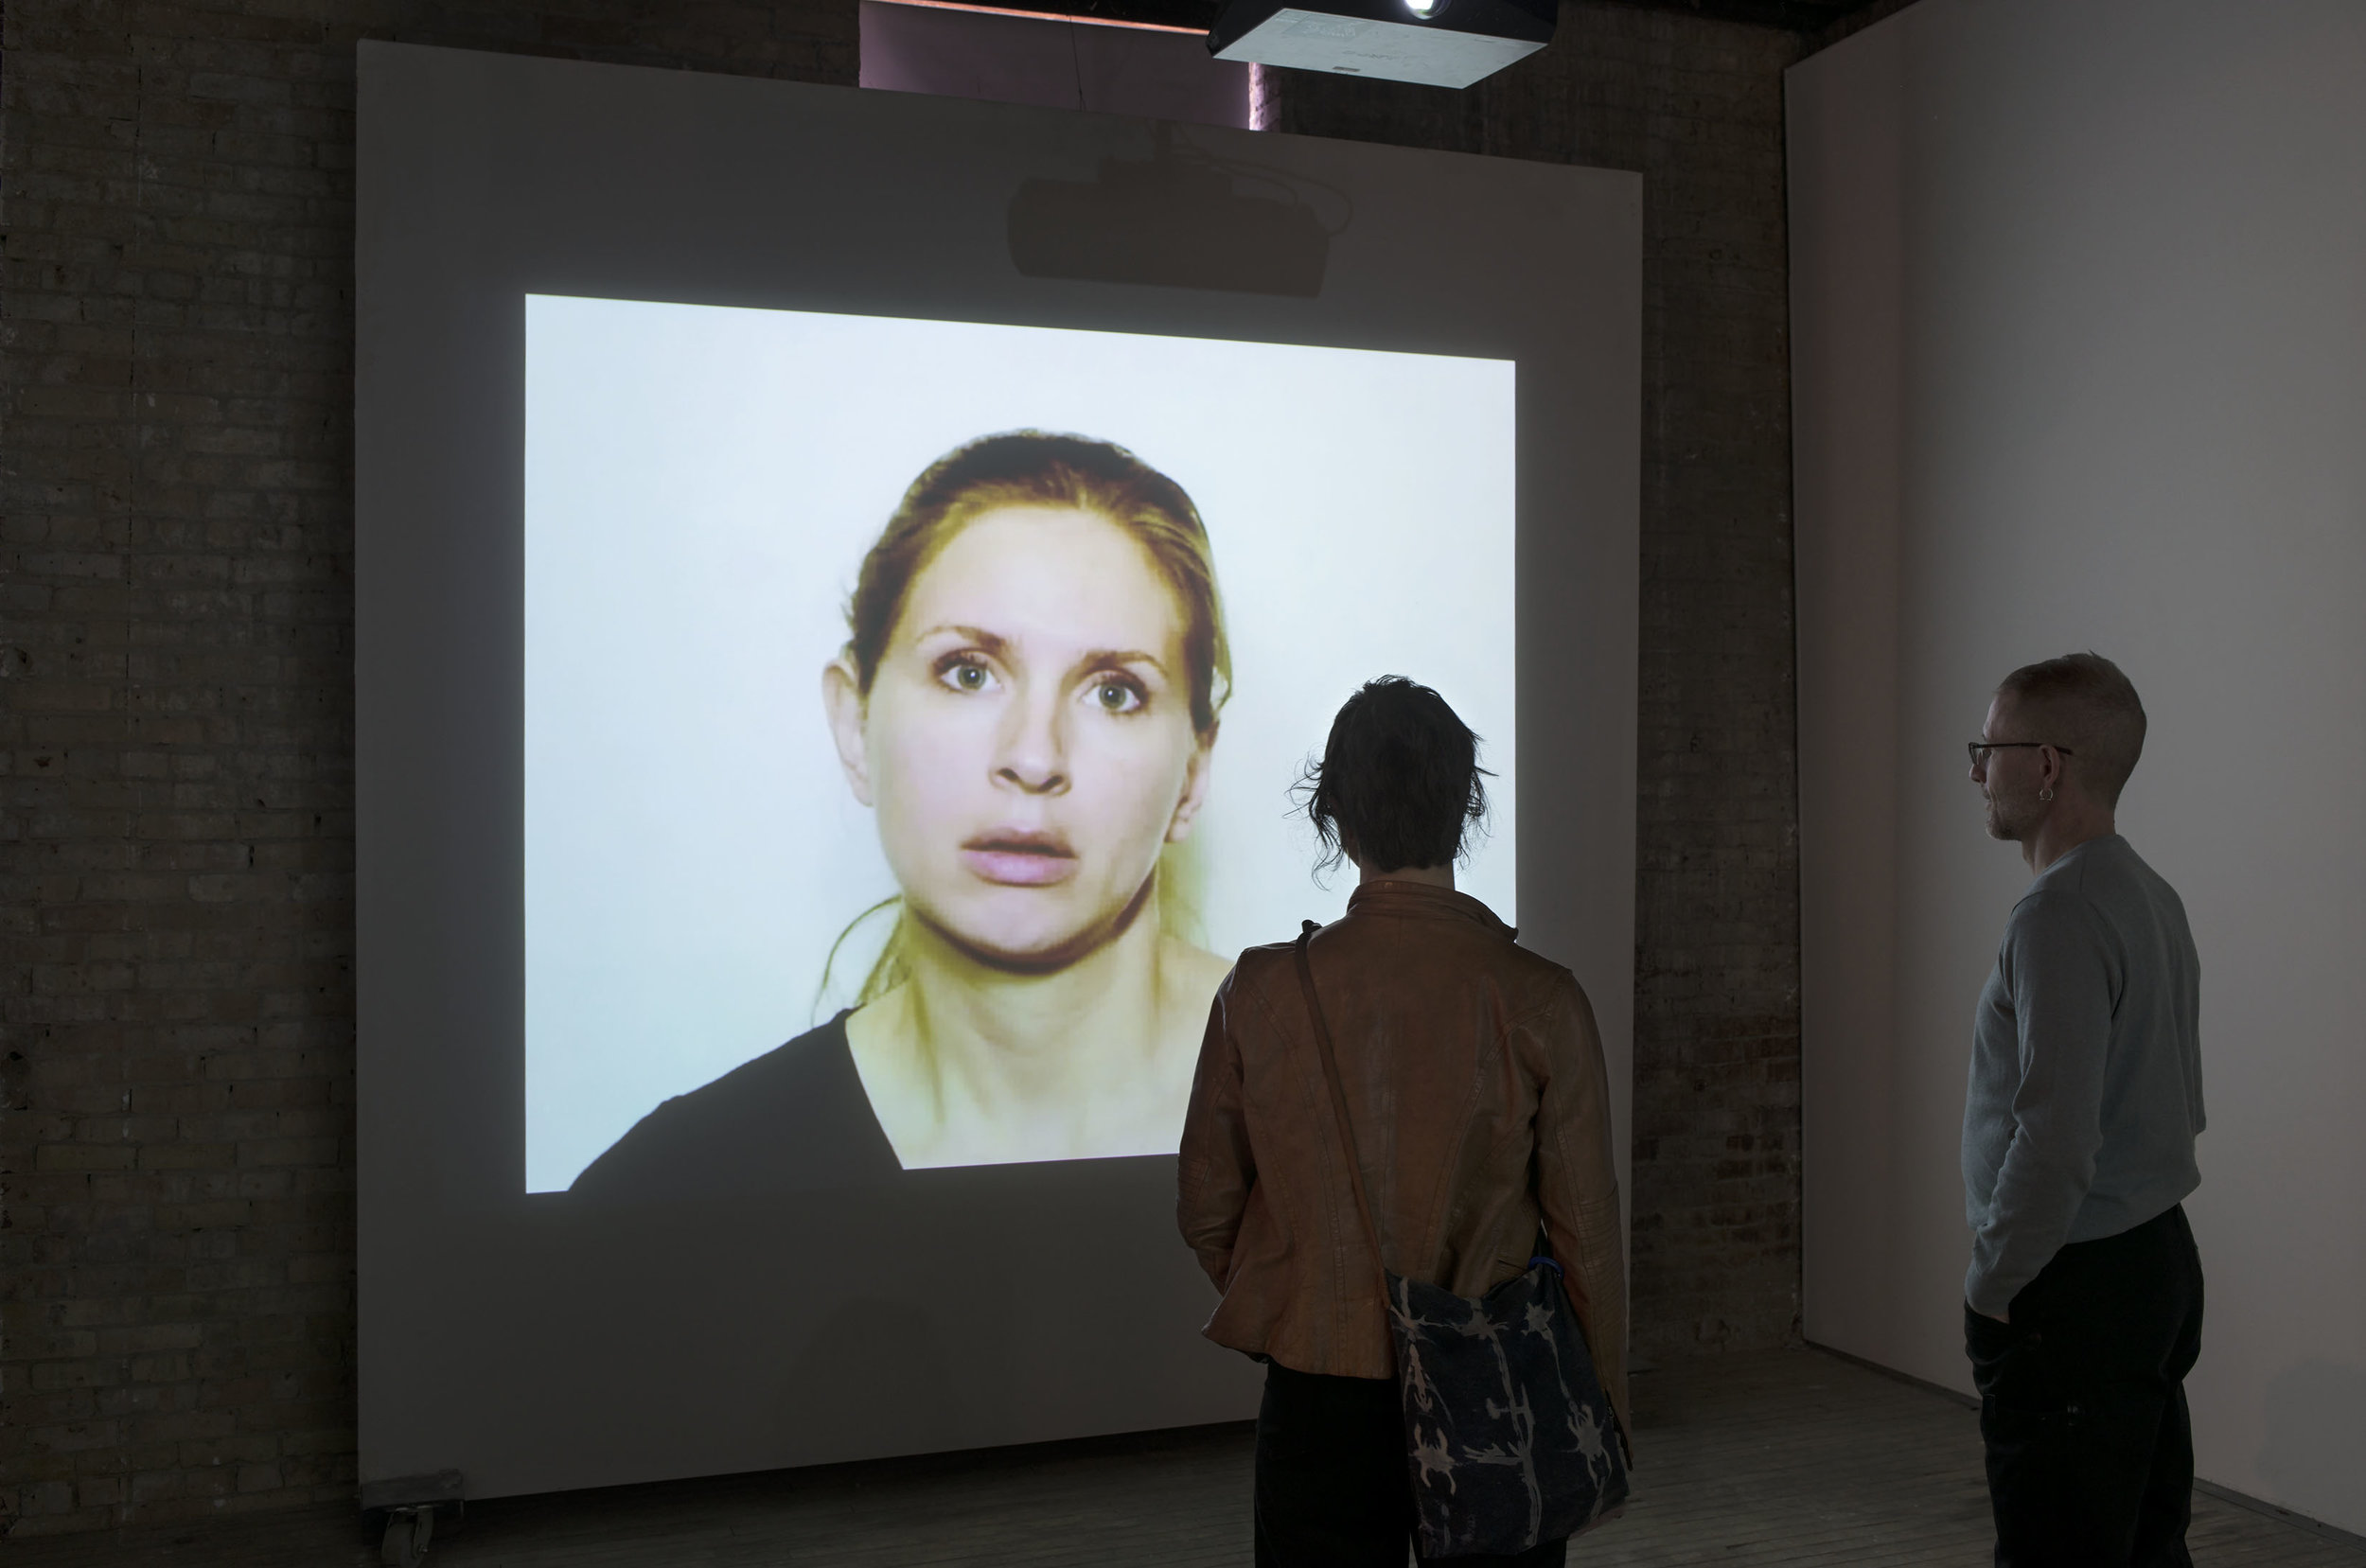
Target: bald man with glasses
[2083,1301]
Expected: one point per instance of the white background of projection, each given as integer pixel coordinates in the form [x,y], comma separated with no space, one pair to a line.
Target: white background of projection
[701,484]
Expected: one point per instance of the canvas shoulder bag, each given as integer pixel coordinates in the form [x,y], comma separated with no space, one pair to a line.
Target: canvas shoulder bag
[1509,1438]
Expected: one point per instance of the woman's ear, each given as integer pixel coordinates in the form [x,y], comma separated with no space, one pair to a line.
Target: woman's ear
[1194,789]
[841,700]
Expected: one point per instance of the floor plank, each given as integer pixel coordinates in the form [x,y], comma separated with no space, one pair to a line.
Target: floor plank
[1789,1459]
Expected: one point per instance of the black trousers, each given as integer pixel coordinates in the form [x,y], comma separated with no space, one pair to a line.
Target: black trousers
[1332,1490]
[2082,1402]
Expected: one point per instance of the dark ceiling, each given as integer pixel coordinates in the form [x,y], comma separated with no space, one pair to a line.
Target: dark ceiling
[1803,16]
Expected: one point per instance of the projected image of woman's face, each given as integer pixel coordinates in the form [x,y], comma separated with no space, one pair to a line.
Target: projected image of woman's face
[899,843]
[1027,741]
[1027,701]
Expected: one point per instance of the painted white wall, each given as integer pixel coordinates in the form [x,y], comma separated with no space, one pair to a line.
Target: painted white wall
[2079,304]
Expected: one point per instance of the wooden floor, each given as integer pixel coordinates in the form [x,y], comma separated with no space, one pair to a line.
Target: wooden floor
[1791,1457]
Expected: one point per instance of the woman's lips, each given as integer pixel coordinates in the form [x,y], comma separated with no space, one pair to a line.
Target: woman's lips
[1019,860]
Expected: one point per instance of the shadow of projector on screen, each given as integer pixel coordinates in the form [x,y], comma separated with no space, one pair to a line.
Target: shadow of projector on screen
[1177,219]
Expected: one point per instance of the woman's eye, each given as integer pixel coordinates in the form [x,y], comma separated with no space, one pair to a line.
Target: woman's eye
[966,676]
[1117,697]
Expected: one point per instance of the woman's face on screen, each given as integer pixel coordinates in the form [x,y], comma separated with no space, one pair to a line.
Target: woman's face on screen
[1028,743]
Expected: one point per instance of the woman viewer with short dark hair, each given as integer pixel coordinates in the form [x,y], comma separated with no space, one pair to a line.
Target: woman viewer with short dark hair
[1473,1076]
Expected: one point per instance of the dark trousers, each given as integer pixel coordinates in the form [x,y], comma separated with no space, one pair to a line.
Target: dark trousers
[1331,1489]
[2082,1402]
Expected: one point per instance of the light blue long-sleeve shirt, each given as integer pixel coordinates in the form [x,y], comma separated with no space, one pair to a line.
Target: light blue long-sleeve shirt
[2086,1068]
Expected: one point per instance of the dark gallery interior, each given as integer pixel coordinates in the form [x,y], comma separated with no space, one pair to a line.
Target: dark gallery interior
[479,673]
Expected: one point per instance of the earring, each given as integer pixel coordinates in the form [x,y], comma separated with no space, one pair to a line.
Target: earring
[2045,795]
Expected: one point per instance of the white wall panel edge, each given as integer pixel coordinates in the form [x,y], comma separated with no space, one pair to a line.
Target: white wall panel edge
[1844,129]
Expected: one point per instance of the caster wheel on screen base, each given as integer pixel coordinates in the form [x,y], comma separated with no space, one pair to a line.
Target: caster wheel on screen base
[407,1534]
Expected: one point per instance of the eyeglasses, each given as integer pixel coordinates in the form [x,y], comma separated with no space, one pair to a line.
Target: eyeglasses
[1980,749]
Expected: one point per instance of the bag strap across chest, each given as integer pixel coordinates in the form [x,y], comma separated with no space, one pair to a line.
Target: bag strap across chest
[1339,1092]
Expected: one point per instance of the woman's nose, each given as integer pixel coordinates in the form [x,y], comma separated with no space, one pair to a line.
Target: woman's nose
[1033,756]
[1034,781]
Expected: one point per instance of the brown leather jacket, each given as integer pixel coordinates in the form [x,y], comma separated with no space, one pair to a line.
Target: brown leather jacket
[1475,1084]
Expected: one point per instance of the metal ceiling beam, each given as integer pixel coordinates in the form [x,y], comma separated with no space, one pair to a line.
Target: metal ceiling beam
[1801,16]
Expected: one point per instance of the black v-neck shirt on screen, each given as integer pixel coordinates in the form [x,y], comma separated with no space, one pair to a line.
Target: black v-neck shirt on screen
[795,1117]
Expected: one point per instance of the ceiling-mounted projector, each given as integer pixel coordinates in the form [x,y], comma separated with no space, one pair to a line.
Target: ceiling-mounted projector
[1438,43]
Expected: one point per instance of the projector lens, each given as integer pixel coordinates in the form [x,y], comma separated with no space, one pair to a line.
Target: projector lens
[1424,9]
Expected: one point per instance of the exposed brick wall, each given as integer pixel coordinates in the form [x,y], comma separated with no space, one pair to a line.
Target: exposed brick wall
[1696,107]
[176,1153]
[176,699]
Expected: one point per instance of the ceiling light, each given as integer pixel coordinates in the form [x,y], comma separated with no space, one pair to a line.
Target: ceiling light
[1439,43]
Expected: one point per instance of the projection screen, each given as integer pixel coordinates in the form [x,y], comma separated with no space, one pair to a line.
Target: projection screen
[830,685]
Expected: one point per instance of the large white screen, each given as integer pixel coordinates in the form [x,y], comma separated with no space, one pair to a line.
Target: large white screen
[644,361]
[701,485]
